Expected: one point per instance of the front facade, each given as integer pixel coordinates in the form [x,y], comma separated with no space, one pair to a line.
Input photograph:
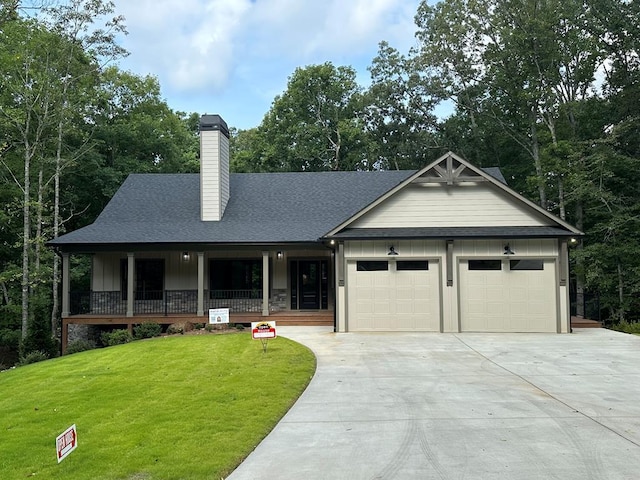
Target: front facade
[449,248]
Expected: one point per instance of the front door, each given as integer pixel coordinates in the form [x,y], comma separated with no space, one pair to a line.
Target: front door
[309,283]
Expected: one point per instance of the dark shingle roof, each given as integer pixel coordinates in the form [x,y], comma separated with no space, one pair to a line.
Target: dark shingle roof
[453,232]
[263,208]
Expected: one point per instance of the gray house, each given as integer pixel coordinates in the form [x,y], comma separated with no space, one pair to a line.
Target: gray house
[447,248]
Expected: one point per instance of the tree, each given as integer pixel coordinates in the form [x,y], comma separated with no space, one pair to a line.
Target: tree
[398,111]
[313,125]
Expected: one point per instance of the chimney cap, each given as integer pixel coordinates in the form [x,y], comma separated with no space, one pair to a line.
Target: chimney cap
[213,122]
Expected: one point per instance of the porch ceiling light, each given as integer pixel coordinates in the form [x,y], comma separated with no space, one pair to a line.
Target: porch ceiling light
[507,250]
[392,251]
[185,256]
[279,255]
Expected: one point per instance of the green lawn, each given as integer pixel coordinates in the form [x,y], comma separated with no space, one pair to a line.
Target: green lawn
[180,407]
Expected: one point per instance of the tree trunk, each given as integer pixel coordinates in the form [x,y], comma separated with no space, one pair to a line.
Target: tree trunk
[39,216]
[55,281]
[579,273]
[25,241]
[535,151]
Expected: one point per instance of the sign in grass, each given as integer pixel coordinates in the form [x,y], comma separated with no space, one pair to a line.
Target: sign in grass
[218,315]
[263,331]
[66,442]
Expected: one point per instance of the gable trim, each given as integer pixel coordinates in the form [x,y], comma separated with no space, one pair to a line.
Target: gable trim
[451,176]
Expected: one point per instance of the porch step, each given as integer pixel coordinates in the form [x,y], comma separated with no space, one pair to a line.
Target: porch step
[579,322]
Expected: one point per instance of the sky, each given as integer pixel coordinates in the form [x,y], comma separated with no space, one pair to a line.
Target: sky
[232,57]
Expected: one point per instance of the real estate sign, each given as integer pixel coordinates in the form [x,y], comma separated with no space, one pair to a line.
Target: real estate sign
[66,442]
[264,329]
[218,315]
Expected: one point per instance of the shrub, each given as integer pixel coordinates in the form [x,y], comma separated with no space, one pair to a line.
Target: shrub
[198,326]
[146,330]
[115,337]
[175,328]
[626,327]
[80,346]
[209,327]
[33,357]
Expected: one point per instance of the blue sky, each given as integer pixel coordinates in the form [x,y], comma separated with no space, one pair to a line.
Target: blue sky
[233,56]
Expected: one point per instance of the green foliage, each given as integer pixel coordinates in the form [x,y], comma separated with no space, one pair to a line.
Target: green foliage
[78,346]
[33,356]
[146,330]
[176,328]
[626,327]
[115,337]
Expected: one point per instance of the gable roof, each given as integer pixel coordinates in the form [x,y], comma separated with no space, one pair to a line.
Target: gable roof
[276,208]
[263,208]
[452,169]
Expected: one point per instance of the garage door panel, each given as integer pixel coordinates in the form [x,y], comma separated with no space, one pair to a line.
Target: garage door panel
[395,299]
[508,300]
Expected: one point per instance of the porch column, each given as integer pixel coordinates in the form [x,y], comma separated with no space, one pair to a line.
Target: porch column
[200,312]
[131,274]
[265,284]
[65,286]
[341,312]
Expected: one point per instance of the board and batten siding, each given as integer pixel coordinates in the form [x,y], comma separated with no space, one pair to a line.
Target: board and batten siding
[462,251]
[462,205]
[214,174]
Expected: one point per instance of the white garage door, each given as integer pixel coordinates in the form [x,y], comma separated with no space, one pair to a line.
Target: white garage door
[393,296]
[505,295]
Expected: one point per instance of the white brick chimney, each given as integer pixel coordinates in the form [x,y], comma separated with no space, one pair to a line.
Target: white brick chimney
[214,167]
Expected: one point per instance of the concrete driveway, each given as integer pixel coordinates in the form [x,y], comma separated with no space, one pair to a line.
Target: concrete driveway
[460,406]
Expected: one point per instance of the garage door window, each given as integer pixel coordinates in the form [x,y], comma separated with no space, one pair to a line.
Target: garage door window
[485,264]
[372,266]
[412,265]
[526,265]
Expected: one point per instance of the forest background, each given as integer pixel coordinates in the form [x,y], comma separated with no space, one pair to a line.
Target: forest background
[547,90]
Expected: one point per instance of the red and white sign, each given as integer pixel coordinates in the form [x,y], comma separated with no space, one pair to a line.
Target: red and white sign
[66,442]
[266,329]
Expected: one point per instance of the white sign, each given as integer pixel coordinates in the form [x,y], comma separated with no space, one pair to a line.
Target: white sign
[264,329]
[66,442]
[218,315]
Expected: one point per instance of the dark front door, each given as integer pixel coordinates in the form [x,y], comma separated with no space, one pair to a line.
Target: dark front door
[309,281]
[309,284]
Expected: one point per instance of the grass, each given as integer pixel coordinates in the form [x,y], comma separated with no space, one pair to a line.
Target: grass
[184,407]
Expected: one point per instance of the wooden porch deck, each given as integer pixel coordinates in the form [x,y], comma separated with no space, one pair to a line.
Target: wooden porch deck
[286,318]
[580,322]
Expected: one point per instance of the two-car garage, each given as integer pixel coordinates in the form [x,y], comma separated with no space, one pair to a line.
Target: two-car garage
[491,295]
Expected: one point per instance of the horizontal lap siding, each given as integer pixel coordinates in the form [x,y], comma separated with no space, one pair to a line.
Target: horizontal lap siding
[450,206]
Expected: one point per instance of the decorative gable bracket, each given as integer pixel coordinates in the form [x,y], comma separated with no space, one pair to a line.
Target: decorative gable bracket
[449,171]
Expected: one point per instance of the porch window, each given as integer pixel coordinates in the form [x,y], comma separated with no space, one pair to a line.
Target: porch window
[149,281]
[236,277]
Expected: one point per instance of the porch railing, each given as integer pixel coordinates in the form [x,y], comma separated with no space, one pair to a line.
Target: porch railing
[235,300]
[163,302]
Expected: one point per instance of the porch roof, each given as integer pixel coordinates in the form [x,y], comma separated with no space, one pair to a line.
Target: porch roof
[263,208]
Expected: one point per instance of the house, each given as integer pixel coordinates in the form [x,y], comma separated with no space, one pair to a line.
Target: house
[447,248]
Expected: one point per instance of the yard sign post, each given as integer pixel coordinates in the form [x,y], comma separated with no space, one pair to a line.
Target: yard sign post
[66,442]
[263,331]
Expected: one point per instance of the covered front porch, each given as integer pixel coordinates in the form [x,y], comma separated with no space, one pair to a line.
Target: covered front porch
[290,284]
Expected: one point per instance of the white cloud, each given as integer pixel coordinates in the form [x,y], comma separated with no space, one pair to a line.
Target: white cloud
[214,47]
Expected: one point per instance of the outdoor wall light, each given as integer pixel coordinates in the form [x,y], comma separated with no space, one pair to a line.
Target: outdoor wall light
[392,251]
[279,255]
[507,250]
[185,256]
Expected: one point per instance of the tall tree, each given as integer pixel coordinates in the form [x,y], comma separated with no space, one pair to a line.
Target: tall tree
[313,125]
